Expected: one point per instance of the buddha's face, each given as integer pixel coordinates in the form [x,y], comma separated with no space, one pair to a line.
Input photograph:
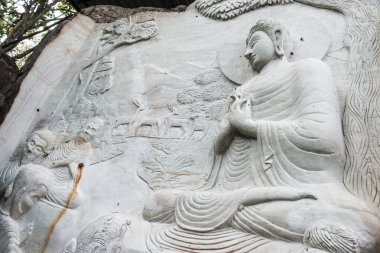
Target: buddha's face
[260,50]
[35,149]
[91,129]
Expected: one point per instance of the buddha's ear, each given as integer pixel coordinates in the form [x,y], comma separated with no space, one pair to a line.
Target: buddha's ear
[278,43]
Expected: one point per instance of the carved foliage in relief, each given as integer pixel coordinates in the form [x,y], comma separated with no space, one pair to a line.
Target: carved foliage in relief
[192,120]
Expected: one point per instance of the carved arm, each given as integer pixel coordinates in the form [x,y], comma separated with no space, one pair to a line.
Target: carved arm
[223,139]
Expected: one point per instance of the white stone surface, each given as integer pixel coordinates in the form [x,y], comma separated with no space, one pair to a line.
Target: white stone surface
[134,108]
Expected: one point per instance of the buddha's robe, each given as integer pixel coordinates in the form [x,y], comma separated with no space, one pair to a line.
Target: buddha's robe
[299,135]
[299,143]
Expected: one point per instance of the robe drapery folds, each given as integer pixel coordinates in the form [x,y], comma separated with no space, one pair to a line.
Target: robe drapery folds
[299,132]
[299,142]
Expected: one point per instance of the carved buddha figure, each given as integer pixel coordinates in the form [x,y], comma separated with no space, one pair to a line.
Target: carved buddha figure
[282,156]
[287,117]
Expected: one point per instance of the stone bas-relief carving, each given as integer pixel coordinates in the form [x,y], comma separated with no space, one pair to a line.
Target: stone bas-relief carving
[50,165]
[360,175]
[103,235]
[152,121]
[282,149]
[48,172]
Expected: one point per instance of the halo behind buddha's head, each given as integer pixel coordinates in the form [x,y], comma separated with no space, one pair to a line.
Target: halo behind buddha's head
[271,26]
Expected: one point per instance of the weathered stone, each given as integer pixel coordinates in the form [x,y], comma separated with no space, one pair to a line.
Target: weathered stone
[158,131]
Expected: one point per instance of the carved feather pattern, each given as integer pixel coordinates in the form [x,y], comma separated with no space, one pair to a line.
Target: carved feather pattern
[228,9]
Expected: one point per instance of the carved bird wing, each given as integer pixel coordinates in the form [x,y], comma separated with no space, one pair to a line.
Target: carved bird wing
[228,9]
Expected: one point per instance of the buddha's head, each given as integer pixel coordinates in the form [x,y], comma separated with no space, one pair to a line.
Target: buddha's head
[91,129]
[39,145]
[265,42]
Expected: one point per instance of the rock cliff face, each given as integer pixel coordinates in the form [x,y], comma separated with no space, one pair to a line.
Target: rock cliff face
[147,130]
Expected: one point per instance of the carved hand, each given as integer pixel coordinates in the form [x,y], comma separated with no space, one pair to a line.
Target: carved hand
[241,119]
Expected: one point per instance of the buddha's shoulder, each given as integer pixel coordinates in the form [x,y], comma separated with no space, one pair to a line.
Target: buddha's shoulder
[312,66]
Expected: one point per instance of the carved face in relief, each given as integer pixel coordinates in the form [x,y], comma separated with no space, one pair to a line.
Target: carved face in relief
[260,50]
[91,129]
[39,145]
[265,42]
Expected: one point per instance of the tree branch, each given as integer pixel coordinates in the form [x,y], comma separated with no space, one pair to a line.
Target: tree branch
[36,25]
[19,28]
[42,10]
[10,45]
[23,54]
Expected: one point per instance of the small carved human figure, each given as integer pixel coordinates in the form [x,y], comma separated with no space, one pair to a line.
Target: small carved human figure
[46,172]
[282,155]
[40,144]
[65,161]
[79,148]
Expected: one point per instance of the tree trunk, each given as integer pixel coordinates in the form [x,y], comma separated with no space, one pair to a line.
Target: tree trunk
[8,75]
[362,112]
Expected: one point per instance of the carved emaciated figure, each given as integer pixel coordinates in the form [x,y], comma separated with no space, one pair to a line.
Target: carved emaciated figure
[65,160]
[282,156]
[45,172]
[40,144]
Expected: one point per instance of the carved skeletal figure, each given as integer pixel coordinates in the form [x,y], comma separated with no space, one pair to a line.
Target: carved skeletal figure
[65,160]
[281,139]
